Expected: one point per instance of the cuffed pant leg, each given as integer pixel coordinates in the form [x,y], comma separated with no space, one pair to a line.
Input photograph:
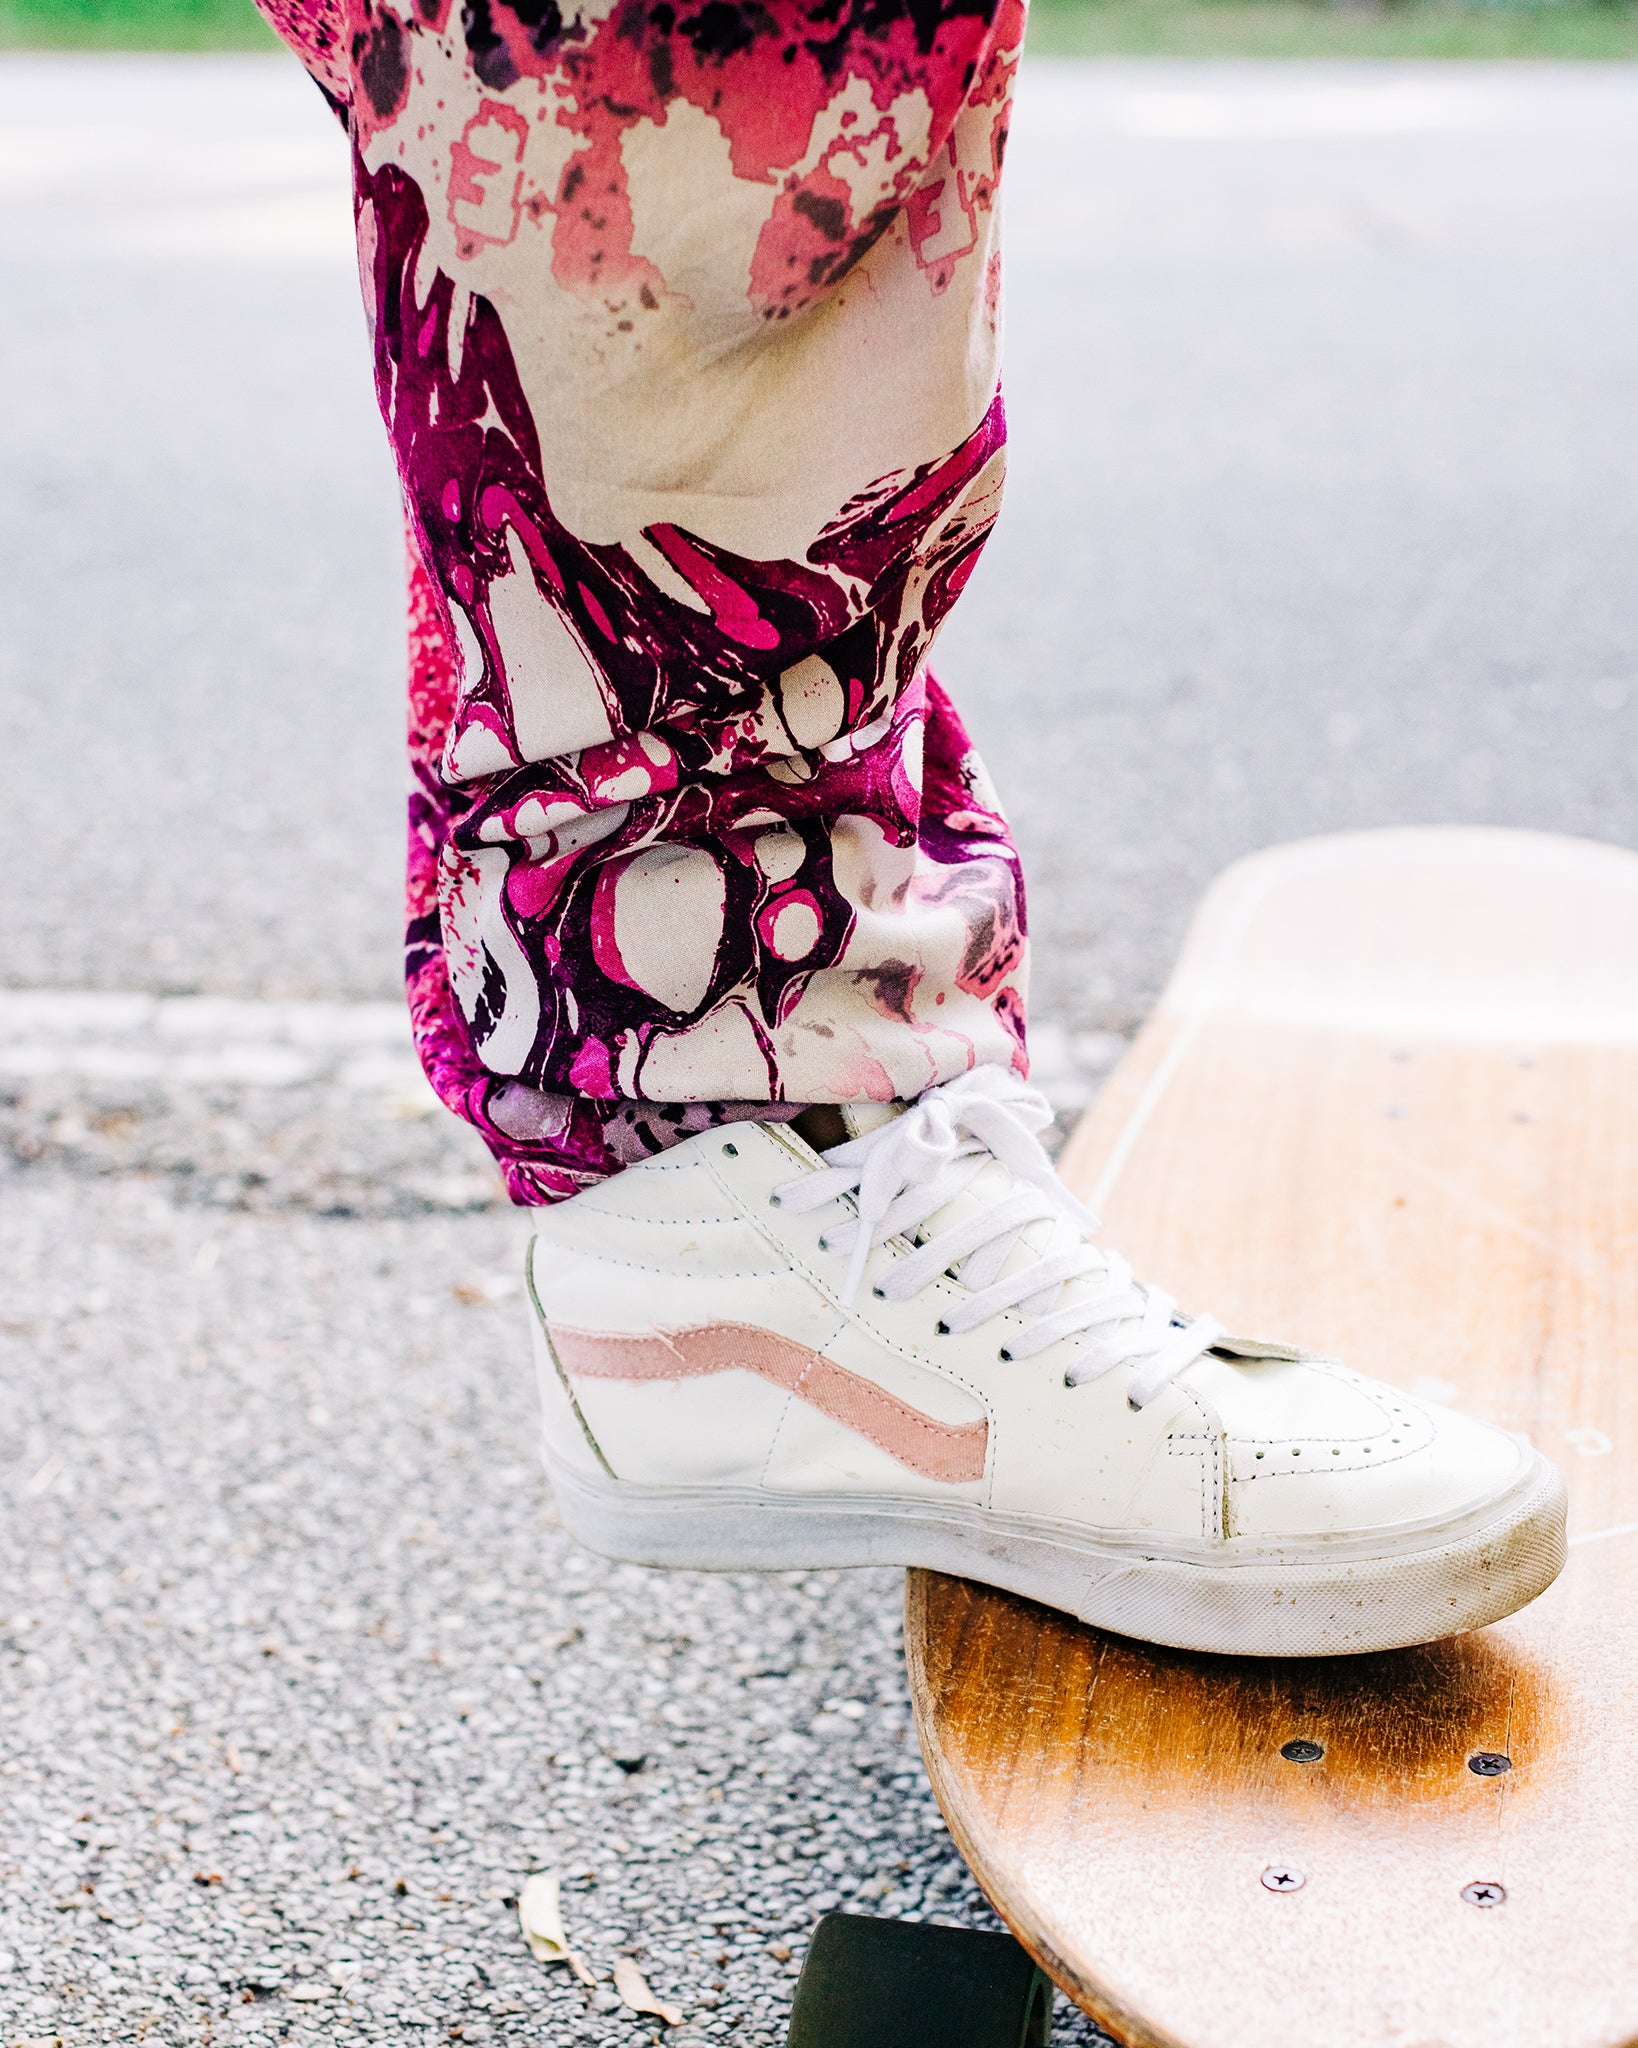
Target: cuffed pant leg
[685,333]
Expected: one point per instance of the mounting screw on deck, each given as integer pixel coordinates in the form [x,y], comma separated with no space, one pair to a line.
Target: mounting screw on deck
[1283,1877]
[1302,1751]
[1483,1893]
[1489,1763]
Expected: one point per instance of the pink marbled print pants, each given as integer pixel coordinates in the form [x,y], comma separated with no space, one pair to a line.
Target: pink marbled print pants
[685,326]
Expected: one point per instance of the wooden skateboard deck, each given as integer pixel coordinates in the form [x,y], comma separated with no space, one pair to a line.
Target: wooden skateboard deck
[1386,1107]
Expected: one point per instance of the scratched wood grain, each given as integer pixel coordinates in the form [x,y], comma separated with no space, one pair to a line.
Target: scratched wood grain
[1387,1106]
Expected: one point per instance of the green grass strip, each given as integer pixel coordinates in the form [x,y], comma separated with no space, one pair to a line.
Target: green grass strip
[1068,28]
[1303,28]
[133,25]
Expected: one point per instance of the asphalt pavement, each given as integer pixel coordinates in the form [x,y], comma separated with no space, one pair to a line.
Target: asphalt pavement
[1323,514]
[1323,507]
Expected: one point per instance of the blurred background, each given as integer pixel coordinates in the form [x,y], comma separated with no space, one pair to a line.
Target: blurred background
[1322,355]
[1320,367]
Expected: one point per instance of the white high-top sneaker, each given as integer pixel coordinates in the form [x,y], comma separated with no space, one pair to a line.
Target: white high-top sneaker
[907,1351]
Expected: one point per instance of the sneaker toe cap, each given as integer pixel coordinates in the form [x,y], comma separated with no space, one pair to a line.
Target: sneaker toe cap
[1386,1463]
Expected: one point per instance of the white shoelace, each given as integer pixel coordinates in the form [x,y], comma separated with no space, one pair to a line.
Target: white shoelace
[905,1171]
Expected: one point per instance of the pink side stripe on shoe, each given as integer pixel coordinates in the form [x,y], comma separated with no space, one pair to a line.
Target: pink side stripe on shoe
[948,1451]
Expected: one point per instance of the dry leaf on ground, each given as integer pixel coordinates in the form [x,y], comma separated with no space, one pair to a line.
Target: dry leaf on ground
[541,1918]
[632,1986]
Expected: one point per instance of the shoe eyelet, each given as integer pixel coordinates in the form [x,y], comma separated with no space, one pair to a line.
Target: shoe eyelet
[1135,1406]
[732,1151]
[941,1329]
[774,1202]
[878,1293]
[1004,1355]
[824,1244]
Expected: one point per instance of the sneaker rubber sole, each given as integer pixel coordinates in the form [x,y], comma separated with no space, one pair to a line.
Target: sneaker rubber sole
[1335,1598]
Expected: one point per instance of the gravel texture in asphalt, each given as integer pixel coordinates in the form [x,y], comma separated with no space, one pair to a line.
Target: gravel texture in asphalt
[302,1679]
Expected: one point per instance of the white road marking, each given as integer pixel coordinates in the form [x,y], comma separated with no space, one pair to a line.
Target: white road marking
[1388,107]
[155,162]
[199,1040]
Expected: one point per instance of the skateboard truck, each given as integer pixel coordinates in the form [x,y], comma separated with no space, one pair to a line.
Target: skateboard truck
[908,1984]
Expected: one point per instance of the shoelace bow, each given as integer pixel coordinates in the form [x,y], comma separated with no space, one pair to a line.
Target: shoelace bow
[905,1171]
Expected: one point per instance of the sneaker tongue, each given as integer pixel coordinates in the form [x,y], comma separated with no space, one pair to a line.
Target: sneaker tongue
[862,1118]
[993,1184]
[1050,1234]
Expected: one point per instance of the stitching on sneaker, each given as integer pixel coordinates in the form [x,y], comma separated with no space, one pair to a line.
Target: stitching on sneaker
[557,1364]
[797,1259]
[784,1416]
